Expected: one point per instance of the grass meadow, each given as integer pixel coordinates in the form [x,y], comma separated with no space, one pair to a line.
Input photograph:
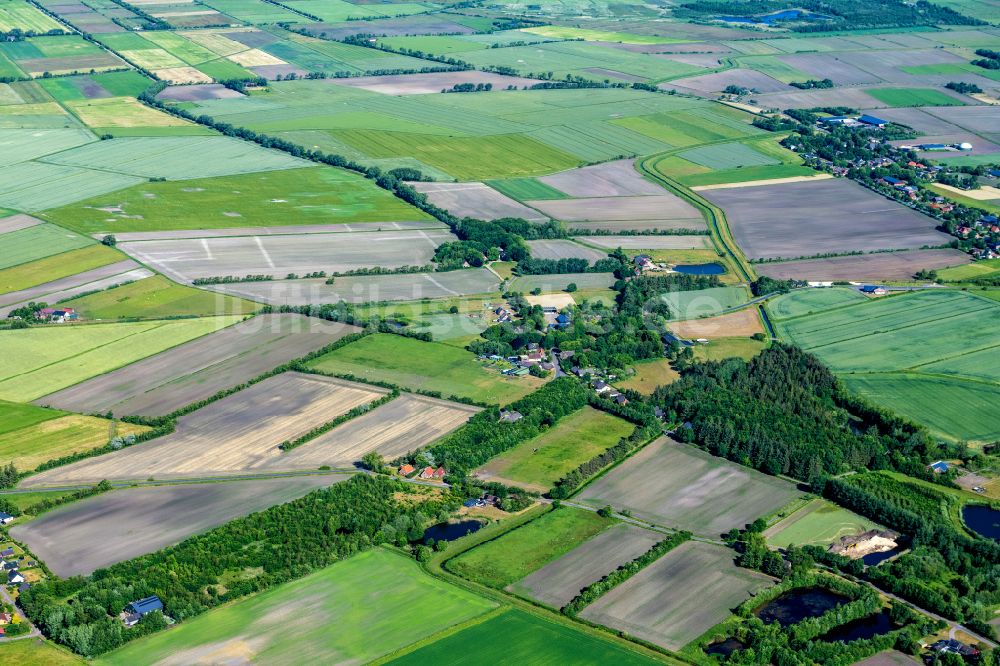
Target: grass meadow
[899,97]
[37,652]
[426,366]
[37,242]
[818,523]
[517,637]
[376,601]
[517,553]
[57,266]
[43,360]
[157,297]
[650,374]
[30,446]
[540,462]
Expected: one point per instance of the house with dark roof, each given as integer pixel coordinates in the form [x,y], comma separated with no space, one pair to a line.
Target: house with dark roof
[11,565]
[872,120]
[14,577]
[873,289]
[6,518]
[144,606]
[6,552]
[953,646]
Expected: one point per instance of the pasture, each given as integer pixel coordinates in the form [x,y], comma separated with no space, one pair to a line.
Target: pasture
[198,369]
[114,112]
[523,638]
[19,15]
[44,360]
[830,215]
[58,436]
[559,282]
[405,424]
[913,97]
[517,553]
[678,597]
[425,366]
[37,652]
[556,583]
[102,277]
[312,195]
[379,602]
[722,348]
[818,523]
[369,288]
[648,375]
[538,463]
[139,520]
[703,302]
[185,259]
[236,434]
[870,267]
[156,297]
[680,486]
[900,352]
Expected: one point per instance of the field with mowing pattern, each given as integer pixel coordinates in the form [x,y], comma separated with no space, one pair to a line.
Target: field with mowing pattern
[517,553]
[518,637]
[703,302]
[540,462]
[818,523]
[19,15]
[378,601]
[426,366]
[648,375]
[43,360]
[156,297]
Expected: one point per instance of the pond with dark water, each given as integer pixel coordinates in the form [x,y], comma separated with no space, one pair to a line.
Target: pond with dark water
[797,605]
[724,648]
[863,627]
[451,531]
[700,269]
[983,520]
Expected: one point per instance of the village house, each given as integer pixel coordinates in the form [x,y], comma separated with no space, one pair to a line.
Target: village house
[510,416]
[5,618]
[57,315]
[6,552]
[601,387]
[938,467]
[14,578]
[137,609]
[955,647]
[407,470]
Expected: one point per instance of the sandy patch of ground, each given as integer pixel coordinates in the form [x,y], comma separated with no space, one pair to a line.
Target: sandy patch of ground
[255,58]
[755,183]
[182,75]
[984,193]
[557,301]
[743,322]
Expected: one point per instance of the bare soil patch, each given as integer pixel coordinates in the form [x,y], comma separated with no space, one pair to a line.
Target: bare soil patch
[476,200]
[182,75]
[658,207]
[882,266]
[743,322]
[17,222]
[611,179]
[198,93]
[563,249]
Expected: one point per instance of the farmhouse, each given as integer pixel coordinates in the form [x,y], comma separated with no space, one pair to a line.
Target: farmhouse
[510,416]
[953,646]
[407,470]
[6,519]
[938,467]
[57,315]
[866,543]
[873,289]
[144,606]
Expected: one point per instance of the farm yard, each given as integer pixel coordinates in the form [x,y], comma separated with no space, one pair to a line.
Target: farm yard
[44,360]
[423,366]
[233,435]
[196,370]
[380,602]
[670,484]
[538,463]
[558,582]
[678,597]
[912,365]
[139,520]
[186,259]
[824,216]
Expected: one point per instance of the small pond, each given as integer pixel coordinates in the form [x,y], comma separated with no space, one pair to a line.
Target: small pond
[784,15]
[700,269]
[451,531]
[863,627]
[874,559]
[983,520]
[797,605]
[724,648]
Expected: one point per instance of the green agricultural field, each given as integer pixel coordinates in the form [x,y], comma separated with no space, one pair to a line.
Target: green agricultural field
[977,269]
[553,283]
[808,301]
[19,15]
[350,612]
[988,206]
[313,195]
[517,553]
[929,355]
[20,145]
[722,348]
[223,69]
[157,297]
[540,462]
[14,416]
[37,242]
[122,84]
[818,523]
[121,112]
[42,360]
[37,652]
[745,175]
[33,445]
[727,156]
[897,97]
[703,302]
[566,32]
[425,366]
[23,500]
[35,186]
[56,267]
[775,68]
[433,44]
[526,189]
[517,637]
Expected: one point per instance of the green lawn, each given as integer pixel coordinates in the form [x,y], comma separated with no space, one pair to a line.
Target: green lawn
[427,366]
[157,297]
[818,523]
[37,652]
[897,97]
[516,637]
[311,195]
[42,360]
[542,461]
[57,266]
[23,500]
[517,553]
[351,612]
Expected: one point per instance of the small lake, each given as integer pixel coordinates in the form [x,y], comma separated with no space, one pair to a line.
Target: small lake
[700,269]
[863,627]
[451,531]
[983,520]
[797,605]
[874,559]
[724,648]
[784,15]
